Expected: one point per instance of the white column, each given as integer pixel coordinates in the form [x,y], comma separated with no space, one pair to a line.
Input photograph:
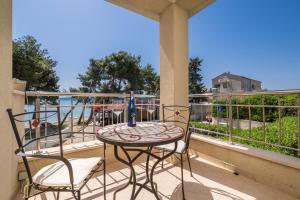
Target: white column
[174,56]
[8,166]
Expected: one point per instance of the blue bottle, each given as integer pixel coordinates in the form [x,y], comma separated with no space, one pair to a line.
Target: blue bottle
[131,111]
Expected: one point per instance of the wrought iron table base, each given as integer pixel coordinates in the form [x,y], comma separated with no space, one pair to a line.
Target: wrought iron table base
[130,162]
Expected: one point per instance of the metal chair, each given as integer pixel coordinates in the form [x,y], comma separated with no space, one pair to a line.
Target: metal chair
[180,115]
[65,175]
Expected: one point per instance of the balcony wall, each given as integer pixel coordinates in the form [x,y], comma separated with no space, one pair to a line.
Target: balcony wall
[276,170]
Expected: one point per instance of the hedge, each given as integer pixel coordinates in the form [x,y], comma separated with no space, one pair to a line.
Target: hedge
[271,113]
[289,137]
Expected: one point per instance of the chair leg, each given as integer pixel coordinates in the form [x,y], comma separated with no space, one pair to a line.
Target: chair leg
[162,162]
[188,156]
[104,179]
[182,181]
[57,197]
[78,195]
[27,193]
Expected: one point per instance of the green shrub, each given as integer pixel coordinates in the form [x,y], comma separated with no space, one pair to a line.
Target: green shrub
[271,113]
[289,135]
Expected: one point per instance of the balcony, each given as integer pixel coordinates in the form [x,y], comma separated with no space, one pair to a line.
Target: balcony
[213,179]
[223,168]
[234,156]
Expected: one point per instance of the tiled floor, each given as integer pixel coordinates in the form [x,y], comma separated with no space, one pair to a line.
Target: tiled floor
[210,182]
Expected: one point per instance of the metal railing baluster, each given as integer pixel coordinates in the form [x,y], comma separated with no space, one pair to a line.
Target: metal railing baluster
[227,114]
[250,122]
[279,122]
[37,128]
[125,105]
[103,113]
[298,115]
[230,119]
[46,122]
[218,121]
[238,119]
[93,109]
[264,118]
[71,121]
[83,122]
[112,114]
[142,111]
[147,112]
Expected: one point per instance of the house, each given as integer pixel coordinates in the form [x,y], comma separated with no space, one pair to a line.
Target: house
[228,82]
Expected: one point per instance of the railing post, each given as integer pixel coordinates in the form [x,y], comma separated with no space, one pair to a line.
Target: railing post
[238,119]
[147,111]
[37,117]
[250,118]
[142,104]
[71,121]
[279,122]
[264,118]
[218,119]
[103,113]
[46,117]
[125,109]
[298,104]
[112,113]
[230,118]
[46,122]
[83,122]
[94,117]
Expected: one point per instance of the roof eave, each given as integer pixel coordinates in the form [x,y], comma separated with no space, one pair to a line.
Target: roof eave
[156,15]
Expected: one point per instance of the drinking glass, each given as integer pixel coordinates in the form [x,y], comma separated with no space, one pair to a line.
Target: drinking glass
[151,107]
[117,108]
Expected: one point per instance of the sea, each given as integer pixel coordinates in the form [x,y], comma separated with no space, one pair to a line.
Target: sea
[65,107]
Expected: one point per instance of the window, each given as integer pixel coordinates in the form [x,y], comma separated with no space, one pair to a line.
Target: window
[224,85]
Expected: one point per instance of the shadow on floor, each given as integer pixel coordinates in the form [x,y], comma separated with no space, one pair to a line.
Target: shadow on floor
[192,191]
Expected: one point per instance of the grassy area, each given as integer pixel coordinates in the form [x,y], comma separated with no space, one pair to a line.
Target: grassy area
[289,135]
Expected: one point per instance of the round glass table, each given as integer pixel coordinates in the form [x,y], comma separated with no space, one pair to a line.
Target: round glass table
[140,139]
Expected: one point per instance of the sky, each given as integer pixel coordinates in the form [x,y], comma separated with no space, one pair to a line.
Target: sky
[259,39]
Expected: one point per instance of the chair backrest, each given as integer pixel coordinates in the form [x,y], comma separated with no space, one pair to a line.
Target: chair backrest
[178,114]
[48,122]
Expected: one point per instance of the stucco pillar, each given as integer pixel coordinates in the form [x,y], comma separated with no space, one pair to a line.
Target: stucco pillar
[8,166]
[174,56]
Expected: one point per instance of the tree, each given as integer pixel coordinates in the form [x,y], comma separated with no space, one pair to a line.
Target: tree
[196,86]
[119,72]
[33,64]
[151,80]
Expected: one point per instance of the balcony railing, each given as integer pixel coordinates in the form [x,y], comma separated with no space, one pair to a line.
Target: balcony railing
[267,120]
[83,113]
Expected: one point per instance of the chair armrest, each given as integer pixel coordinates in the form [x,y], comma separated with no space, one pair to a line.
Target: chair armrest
[21,153]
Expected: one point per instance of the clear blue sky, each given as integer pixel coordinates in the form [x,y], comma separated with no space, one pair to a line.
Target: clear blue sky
[255,38]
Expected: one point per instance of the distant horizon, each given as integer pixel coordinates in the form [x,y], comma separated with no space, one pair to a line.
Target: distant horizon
[254,39]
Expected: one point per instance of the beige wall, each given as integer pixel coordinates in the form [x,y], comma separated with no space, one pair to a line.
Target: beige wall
[8,167]
[255,164]
[236,85]
[174,56]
